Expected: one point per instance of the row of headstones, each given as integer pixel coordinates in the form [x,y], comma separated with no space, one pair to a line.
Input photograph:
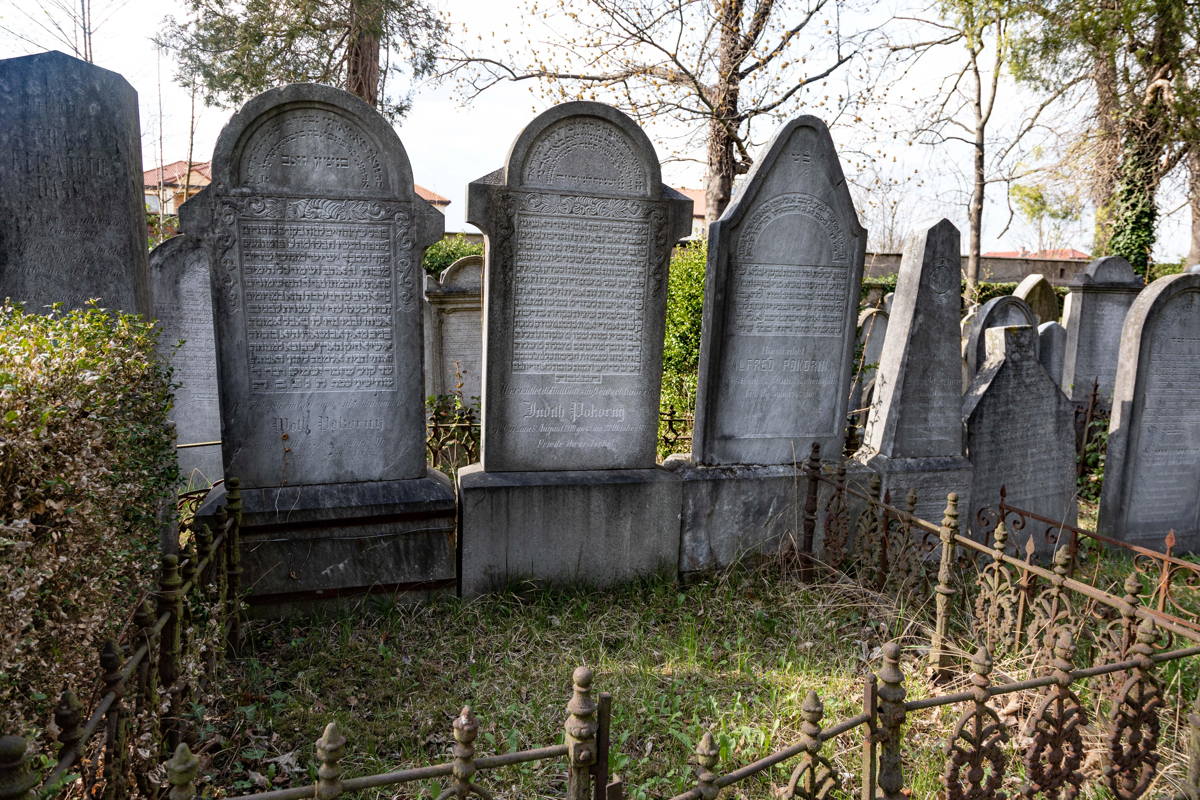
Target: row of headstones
[310,237]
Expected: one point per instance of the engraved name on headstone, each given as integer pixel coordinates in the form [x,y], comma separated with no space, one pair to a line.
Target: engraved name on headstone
[1039,294]
[72,213]
[580,229]
[1095,315]
[454,330]
[995,313]
[182,303]
[785,264]
[1152,472]
[1020,431]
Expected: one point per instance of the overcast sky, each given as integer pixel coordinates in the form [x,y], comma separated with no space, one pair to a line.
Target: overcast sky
[450,145]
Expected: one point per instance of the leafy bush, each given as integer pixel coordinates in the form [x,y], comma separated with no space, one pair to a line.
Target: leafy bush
[86,461]
[442,254]
[685,312]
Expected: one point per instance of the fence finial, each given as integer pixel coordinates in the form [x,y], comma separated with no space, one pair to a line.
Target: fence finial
[581,720]
[891,719]
[466,728]
[16,779]
[67,717]
[706,761]
[329,752]
[181,773]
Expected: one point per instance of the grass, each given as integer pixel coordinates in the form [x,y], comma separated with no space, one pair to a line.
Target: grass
[736,654]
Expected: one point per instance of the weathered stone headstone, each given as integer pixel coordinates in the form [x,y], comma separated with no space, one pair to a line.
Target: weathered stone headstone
[454,330]
[913,435]
[785,265]
[888,299]
[580,229]
[1020,432]
[1095,313]
[72,213]
[1039,294]
[872,332]
[315,238]
[999,312]
[1052,344]
[1152,471]
[181,301]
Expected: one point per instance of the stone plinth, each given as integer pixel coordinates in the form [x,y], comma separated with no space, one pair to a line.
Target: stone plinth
[72,212]
[1152,472]
[593,527]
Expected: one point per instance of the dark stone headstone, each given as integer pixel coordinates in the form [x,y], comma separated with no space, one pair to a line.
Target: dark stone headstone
[1152,471]
[1094,316]
[454,330]
[1052,344]
[72,212]
[999,312]
[315,236]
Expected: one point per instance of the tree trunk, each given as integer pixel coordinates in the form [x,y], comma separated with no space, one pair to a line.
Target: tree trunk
[1106,154]
[1193,164]
[722,126]
[363,50]
[978,185]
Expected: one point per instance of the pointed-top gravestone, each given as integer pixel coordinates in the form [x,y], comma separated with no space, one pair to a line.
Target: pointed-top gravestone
[1093,316]
[785,264]
[998,312]
[580,230]
[1039,294]
[1152,471]
[1020,431]
[914,429]
[315,237]
[72,212]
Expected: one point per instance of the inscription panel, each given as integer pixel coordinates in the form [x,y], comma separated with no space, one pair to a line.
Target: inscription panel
[462,350]
[585,154]
[1165,470]
[318,304]
[312,149]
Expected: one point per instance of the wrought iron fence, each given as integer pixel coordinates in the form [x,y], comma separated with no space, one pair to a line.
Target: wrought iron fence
[675,431]
[148,677]
[452,434]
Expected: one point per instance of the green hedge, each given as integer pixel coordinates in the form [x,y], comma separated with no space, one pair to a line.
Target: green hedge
[445,252]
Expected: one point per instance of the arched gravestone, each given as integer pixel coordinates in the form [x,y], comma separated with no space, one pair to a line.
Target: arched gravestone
[999,312]
[579,233]
[454,330]
[785,264]
[1039,294]
[1052,342]
[181,301]
[72,212]
[1093,316]
[913,437]
[1152,471]
[315,238]
[782,288]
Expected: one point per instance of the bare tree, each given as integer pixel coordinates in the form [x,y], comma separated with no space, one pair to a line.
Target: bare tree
[717,66]
[67,24]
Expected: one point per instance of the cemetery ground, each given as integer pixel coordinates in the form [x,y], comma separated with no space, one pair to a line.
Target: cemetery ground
[735,653]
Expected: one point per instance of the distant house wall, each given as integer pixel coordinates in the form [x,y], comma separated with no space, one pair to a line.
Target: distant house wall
[991,268]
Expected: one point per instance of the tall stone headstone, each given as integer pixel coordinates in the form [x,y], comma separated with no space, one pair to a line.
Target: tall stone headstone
[872,333]
[1052,345]
[181,301]
[1039,294]
[999,312]
[315,238]
[1095,314]
[454,330]
[1152,471]
[1020,432]
[72,213]
[913,436]
[580,229]
[785,265]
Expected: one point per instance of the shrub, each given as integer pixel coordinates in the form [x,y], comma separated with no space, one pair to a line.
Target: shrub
[685,312]
[445,252]
[86,462]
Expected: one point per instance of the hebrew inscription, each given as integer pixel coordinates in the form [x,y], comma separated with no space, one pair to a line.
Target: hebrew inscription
[588,155]
[313,148]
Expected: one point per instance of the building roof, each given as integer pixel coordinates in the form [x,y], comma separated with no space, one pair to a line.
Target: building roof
[433,198]
[1061,254]
[699,203]
[173,173]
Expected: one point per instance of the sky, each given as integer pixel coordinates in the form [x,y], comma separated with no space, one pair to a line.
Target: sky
[451,143]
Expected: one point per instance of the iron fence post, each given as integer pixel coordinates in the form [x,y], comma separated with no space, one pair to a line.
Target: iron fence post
[233,560]
[892,714]
[813,470]
[16,778]
[870,741]
[116,734]
[329,751]
[939,655]
[706,761]
[181,773]
[67,717]
[1192,787]
[600,768]
[580,735]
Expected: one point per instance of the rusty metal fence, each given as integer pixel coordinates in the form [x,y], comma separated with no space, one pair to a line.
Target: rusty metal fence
[148,677]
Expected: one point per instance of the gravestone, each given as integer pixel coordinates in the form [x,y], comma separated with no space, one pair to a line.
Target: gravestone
[1052,344]
[315,237]
[1152,472]
[1020,433]
[1094,316]
[454,330]
[913,437]
[998,312]
[872,332]
[72,213]
[784,270]
[1039,294]
[580,229]
[181,301]
[888,299]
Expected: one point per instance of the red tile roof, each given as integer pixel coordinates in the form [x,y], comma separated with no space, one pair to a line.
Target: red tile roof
[432,198]
[1062,254]
[172,174]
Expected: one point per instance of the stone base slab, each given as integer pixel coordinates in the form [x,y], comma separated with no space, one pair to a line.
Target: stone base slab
[932,478]
[733,511]
[308,543]
[595,527]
